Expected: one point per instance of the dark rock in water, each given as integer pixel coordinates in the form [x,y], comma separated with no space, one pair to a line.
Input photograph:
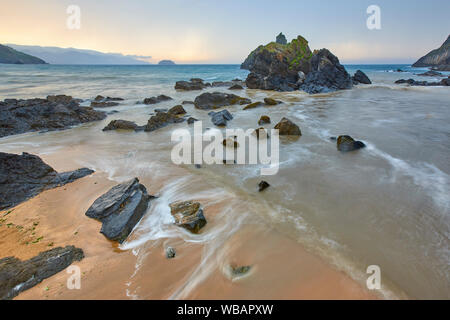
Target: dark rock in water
[326,75]
[431,73]
[263,185]
[276,66]
[361,77]
[193,84]
[333,138]
[444,82]
[17,276]
[438,58]
[120,209]
[191,120]
[187,102]
[253,105]
[160,120]
[271,102]
[188,215]
[158,99]
[287,128]
[25,176]
[347,143]
[177,110]
[120,125]
[236,87]
[103,104]
[214,100]
[53,113]
[281,39]
[170,253]
[220,118]
[264,120]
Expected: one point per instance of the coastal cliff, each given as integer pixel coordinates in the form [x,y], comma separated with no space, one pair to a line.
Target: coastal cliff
[10,56]
[438,58]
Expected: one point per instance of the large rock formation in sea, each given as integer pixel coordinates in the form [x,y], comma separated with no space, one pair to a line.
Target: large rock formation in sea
[438,58]
[25,176]
[293,66]
[10,56]
[53,113]
[166,63]
[17,276]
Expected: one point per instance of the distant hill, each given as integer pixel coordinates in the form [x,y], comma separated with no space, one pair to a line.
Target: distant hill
[438,58]
[55,55]
[166,63]
[11,56]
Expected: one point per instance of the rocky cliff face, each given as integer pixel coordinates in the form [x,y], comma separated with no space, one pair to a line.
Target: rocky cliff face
[439,58]
[292,66]
[10,56]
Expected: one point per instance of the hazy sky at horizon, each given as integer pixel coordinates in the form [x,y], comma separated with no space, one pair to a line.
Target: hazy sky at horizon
[208,31]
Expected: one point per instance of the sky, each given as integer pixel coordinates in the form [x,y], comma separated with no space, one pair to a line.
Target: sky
[219,31]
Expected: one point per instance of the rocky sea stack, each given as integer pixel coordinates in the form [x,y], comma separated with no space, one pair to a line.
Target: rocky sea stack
[438,58]
[293,66]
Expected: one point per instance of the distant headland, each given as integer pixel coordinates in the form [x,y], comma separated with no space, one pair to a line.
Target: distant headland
[166,63]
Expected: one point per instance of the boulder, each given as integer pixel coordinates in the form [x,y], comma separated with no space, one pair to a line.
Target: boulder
[236,87]
[287,128]
[326,74]
[347,143]
[412,82]
[263,185]
[361,77]
[17,276]
[170,253]
[53,113]
[103,104]
[160,120]
[189,215]
[25,176]
[177,110]
[264,120]
[271,102]
[158,99]
[253,105]
[431,73]
[120,125]
[120,209]
[193,84]
[220,118]
[214,100]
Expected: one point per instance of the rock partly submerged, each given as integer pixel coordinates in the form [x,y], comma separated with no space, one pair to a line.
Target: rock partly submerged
[360,77]
[121,125]
[161,120]
[120,209]
[220,118]
[346,143]
[157,99]
[17,276]
[53,113]
[444,82]
[287,128]
[214,100]
[25,176]
[189,215]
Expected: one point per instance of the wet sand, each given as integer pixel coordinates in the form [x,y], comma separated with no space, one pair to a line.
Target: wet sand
[281,267]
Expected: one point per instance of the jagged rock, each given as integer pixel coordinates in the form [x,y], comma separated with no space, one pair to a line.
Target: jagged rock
[253,105]
[281,39]
[188,215]
[264,120]
[158,99]
[326,75]
[120,125]
[263,185]
[53,113]
[170,253]
[120,209]
[177,110]
[287,128]
[236,87]
[271,102]
[214,100]
[438,58]
[220,118]
[361,77]
[347,143]
[191,120]
[160,120]
[25,176]
[17,276]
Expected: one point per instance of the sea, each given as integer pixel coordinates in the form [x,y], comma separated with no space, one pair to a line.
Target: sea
[387,205]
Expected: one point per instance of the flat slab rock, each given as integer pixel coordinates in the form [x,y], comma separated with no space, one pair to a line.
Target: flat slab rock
[25,176]
[120,209]
[189,215]
[53,113]
[17,276]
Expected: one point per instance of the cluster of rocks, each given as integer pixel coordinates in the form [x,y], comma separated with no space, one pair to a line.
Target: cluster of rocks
[25,176]
[293,66]
[157,99]
[102,102]
[444,82]
[199,84]
[53,113]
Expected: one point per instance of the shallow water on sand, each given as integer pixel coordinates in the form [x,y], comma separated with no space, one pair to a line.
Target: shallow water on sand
[386,205]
